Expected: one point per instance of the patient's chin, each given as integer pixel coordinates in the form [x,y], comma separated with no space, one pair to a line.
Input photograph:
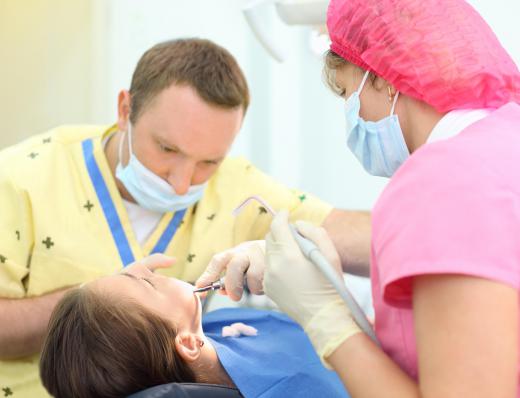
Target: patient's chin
[185,286]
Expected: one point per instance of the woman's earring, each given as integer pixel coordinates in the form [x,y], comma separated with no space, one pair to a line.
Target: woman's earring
[390,94]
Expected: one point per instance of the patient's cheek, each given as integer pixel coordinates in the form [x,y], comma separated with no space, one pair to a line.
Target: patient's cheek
[181,293]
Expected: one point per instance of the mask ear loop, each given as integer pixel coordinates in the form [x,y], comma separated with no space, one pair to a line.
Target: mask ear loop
[363,82]
[393,103]
[120,153]
[129,133]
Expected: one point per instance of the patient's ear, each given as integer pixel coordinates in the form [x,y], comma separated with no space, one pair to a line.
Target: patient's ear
[188,345]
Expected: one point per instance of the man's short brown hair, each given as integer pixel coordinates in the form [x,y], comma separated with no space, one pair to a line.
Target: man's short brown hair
[201,64]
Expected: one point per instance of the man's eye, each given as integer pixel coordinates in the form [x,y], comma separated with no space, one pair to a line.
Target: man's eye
[211,162]
[167,149]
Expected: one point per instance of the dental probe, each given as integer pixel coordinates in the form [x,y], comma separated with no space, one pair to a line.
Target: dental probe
[314,255]
[214,286]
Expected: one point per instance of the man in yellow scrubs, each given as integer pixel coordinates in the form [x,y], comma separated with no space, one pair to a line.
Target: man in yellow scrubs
[80,202]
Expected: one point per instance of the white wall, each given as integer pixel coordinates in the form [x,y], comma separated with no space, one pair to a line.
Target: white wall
[45,50]
[503,16]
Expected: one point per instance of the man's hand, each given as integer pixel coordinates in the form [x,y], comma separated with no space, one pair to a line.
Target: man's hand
[243,263]
[155,261]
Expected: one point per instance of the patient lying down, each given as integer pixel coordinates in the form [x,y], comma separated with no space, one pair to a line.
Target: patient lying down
[127,332]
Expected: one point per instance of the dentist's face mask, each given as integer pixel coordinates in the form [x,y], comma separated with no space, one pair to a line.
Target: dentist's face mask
[379,146]
[148,189]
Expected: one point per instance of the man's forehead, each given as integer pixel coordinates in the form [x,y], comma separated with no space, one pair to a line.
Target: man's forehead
[204,139]
[184,94]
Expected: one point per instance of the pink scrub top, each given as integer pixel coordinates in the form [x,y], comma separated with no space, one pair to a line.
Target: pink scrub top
[452,208]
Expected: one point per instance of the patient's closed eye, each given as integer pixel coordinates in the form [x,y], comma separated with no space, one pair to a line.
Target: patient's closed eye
[138,278]
[149,281]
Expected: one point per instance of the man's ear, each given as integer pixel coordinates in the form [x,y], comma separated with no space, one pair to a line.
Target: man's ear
[189,346]
[123,110]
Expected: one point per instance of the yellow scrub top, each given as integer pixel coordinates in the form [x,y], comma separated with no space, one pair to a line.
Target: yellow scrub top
[63,223]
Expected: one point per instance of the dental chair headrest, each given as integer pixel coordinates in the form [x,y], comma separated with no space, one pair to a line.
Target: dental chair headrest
[188,390]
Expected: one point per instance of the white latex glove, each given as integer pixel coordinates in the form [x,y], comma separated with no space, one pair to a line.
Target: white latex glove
[300,289]
[243,262]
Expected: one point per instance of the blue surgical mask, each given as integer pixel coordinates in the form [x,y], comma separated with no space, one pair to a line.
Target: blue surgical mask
[148,189]
[379,146]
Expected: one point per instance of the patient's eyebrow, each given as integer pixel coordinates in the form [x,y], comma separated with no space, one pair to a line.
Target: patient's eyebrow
[137,279]
[129,275]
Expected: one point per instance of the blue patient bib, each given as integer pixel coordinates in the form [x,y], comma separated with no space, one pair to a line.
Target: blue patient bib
[279,362]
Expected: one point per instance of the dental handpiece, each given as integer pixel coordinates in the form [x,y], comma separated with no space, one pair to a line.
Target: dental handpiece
[314,255]
[218,285]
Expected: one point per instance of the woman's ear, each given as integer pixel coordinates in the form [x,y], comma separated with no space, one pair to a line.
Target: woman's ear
[189,346]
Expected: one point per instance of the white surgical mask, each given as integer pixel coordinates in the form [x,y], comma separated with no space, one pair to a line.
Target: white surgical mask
[379,146]
[148,189]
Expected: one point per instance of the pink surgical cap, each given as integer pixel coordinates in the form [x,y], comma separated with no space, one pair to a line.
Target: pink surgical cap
[440,52]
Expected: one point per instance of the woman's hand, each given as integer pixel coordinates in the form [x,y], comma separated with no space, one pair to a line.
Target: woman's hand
[300,289]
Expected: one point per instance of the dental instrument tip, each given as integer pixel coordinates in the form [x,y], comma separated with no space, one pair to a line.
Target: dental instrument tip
[214,286]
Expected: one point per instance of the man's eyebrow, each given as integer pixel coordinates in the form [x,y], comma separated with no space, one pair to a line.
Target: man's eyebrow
[166,142]
[177,149]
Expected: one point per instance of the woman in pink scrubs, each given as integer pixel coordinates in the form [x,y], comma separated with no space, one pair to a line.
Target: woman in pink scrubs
[432,101]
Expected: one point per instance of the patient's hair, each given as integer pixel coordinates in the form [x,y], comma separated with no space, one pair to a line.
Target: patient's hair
[99,345]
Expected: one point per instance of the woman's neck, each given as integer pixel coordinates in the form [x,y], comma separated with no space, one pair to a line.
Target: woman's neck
[421,118]
[211,370]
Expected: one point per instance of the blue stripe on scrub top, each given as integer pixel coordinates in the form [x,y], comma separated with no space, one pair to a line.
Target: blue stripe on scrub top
[109,210]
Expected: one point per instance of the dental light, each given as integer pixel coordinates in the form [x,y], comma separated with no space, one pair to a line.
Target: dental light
[311,13]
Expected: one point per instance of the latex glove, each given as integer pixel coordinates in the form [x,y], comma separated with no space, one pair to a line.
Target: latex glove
[243,262]
[300,289]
